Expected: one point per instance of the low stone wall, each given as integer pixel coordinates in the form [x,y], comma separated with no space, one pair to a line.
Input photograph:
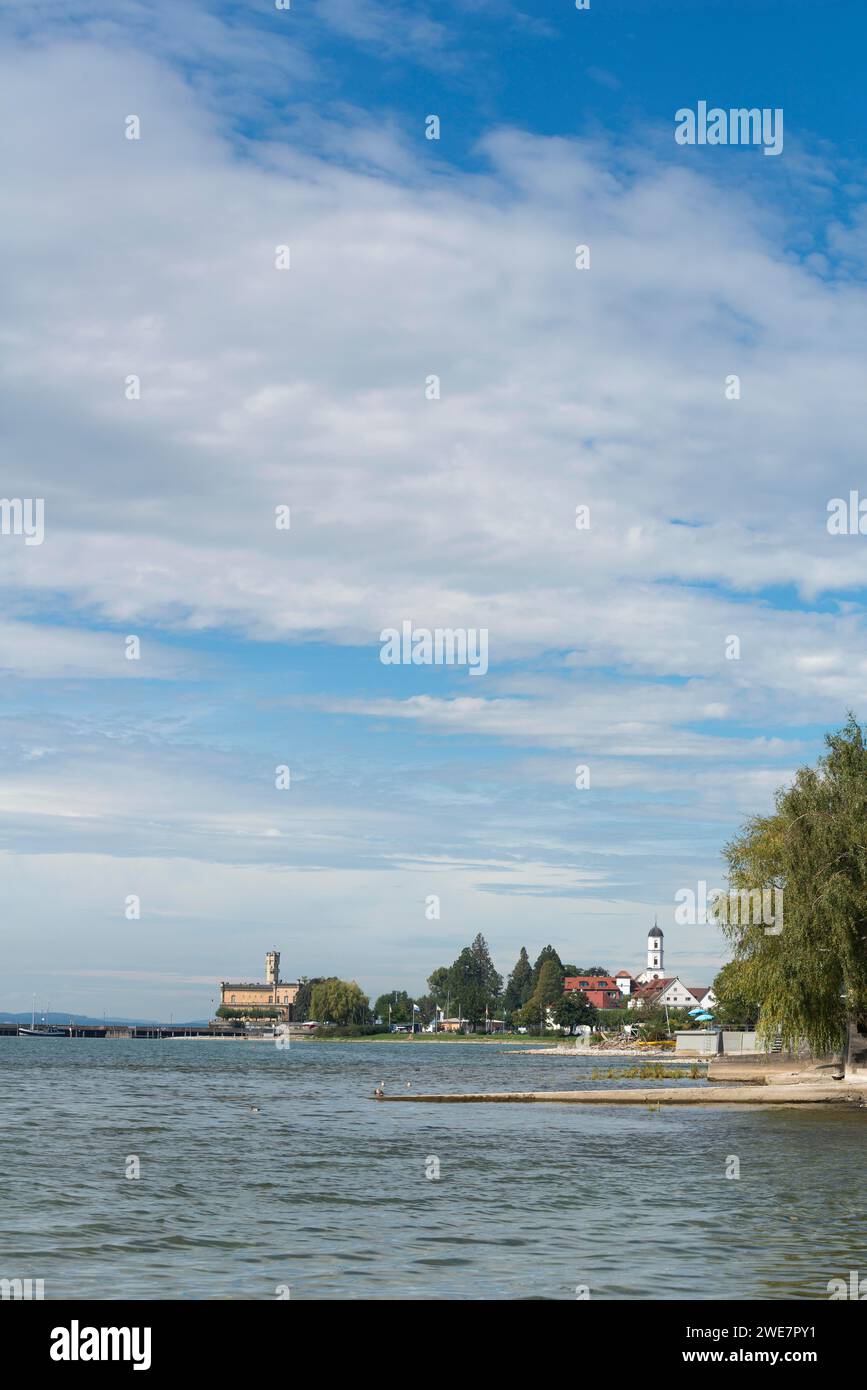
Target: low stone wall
[739,1043]
[697,1043]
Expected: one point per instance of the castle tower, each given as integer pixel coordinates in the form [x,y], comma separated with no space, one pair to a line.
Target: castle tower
[655,970]
[272,968]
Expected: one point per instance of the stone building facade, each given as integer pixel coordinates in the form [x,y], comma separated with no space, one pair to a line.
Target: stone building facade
[272,993]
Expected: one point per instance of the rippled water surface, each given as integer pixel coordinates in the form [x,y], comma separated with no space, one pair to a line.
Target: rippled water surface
[324,1190]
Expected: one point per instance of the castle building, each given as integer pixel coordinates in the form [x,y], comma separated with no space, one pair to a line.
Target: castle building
[274,993]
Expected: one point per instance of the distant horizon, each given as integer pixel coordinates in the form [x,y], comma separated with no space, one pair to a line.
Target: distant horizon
[86,1020]
[19,1016]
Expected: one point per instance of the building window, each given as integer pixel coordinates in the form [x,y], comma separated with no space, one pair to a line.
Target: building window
[232,1000]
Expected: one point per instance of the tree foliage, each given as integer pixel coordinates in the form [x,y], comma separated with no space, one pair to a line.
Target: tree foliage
[549,985]
[438,984]
[810,979]
[736,1004]
[547,953]
[401,1007]
[573,1009]
[339,1001]
[471,985]
[426,1008]
[301,1007]
[520,984]
[226,1011]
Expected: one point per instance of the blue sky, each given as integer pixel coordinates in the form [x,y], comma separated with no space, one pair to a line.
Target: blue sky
[306,387]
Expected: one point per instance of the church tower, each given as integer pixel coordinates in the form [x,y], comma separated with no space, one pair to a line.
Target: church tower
[272,968]
[654,969]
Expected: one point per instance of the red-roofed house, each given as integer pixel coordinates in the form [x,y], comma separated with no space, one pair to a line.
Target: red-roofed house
[602,991]
[704,994]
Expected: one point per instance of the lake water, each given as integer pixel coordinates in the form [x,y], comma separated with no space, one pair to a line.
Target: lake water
[324,1191]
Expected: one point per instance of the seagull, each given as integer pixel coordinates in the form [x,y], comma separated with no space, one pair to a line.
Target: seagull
[378,1093]
[408,1084]
[254,1109]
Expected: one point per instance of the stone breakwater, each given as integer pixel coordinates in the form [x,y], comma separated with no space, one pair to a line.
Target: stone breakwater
[839,1094]
[598,1054]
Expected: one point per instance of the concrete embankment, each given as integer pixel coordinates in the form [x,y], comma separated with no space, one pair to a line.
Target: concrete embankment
[805,1094]
[764,1070]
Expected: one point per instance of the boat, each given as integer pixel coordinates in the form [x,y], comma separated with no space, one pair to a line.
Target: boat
[42,1030]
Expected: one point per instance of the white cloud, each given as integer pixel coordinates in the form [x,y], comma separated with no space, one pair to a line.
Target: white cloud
[306,386]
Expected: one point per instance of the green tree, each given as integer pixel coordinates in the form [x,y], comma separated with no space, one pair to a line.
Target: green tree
[735,1005]
[473,983]
[426,1008]
[530,1017]
[438,984]
[401,1006]
[572,1009]
[548,991]
[520,984]
[247,1012]
[301,1007]
[549,986]
[810,979]
[339,1001]
[547,953]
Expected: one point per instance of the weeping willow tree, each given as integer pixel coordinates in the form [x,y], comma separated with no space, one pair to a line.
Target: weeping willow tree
[809,979]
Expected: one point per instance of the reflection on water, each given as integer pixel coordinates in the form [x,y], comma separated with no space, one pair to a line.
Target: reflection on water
[325,1190]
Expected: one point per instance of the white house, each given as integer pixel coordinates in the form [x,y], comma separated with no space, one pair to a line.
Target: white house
[673,992]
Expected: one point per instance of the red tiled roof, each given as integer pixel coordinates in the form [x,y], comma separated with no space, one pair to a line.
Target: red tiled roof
[656,986]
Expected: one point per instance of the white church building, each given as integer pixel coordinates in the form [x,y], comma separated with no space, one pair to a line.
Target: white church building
[654,970]
[653,987]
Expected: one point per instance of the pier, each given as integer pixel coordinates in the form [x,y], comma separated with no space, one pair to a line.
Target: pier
[128,1031]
